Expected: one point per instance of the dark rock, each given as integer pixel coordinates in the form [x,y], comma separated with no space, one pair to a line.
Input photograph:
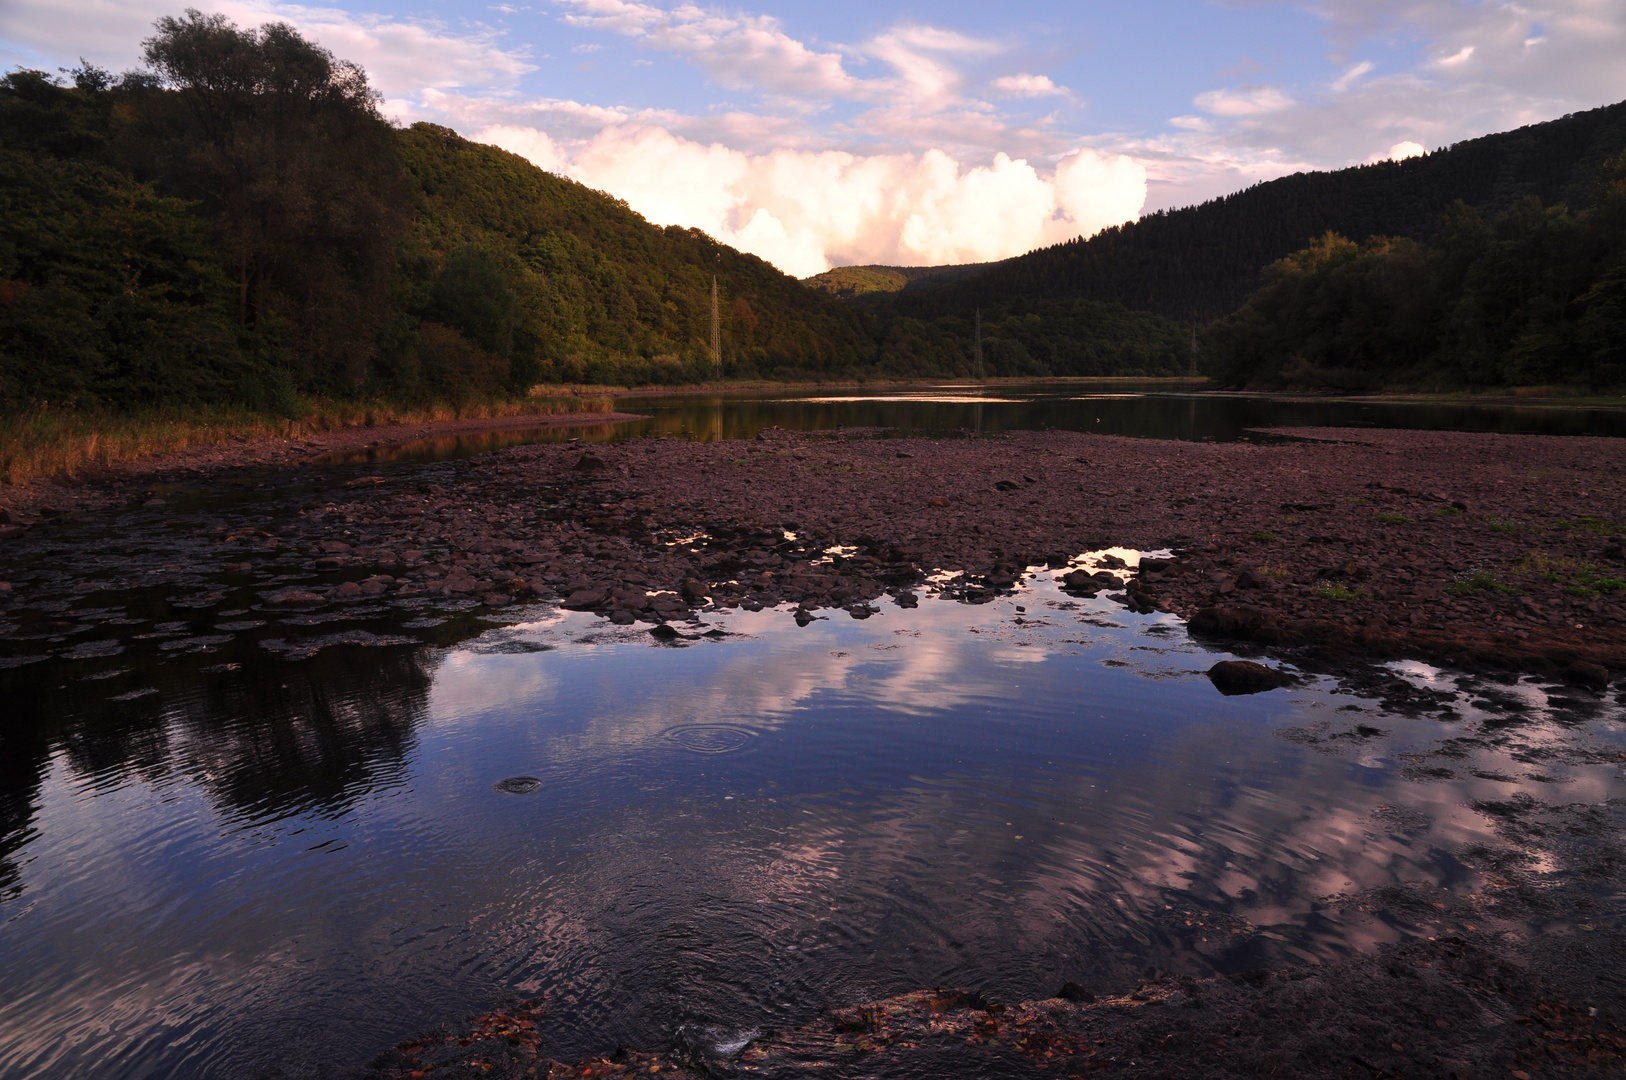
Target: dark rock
[937,500]
[1615,552]
[1592,676]
[1249,580]
[1071,991]
[663,632]
[11,532]
[1227,621]
[1006,485]
[348,590]
[908,600]
[589,463]
[623,617]
[292,598]
[364,481]
[150,504]
[517,785]
[803,616]
[1232,677]
[6,517]
[584,599]
[694,589]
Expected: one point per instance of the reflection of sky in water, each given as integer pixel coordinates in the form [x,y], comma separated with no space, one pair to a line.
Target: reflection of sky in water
[740,830]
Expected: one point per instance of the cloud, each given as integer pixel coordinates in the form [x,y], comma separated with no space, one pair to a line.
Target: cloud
[1243,101]
[402,57]
[1026,86]
[1482,67]
[807,210]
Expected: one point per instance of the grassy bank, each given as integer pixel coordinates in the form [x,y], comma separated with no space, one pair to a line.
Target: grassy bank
[60,443]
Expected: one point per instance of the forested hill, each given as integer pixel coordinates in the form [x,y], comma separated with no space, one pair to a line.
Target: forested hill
[237,224]
[1201,262]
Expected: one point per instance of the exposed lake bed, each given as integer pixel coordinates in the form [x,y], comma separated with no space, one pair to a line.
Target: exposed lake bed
[898,735]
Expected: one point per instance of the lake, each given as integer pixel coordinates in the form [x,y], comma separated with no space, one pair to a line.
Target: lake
[232,838]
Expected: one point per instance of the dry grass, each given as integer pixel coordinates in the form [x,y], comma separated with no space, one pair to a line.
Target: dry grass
[55,443]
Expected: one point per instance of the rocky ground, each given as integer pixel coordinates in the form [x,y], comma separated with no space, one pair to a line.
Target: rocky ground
[1484,551]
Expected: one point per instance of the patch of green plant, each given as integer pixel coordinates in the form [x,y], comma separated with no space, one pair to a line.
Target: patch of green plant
[1356,500]
[1592,583]
[1263,537]
[1275,573]
[1479,579]
[1601,526]
[1334,591]
[1504,525]
[1394,518]
[1447,511]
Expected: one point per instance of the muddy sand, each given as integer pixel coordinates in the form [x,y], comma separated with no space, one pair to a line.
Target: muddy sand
[1322,548]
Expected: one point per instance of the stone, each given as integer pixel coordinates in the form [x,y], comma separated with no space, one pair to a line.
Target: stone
[1233,677]
[349,590]
[663,632]
[495,600]
[1614,551]
[803,616]
[937,500]
[1592,676]
[1006,485]
[333,547]
[584,599]
[11,532]
[1227,621]
[589,463]
[908,600]
[623,617]
[295,598]
[150,504]
[694,589]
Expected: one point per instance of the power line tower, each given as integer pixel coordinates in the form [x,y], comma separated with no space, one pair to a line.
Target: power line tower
[976,349]
[716,332]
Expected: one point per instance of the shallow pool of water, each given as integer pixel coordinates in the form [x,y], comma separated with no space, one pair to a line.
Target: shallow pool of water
[260,860]
[953,410]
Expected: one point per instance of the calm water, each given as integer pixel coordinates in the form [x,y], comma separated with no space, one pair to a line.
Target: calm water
[304,861]
[950,410]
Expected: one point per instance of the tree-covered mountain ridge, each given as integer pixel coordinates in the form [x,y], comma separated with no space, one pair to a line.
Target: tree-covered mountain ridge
[236,223]
[1200,263]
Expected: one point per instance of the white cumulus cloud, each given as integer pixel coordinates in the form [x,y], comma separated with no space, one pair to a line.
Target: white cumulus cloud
[805,211]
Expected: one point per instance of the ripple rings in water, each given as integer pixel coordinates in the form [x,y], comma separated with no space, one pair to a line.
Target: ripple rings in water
[710,738]
[518,785]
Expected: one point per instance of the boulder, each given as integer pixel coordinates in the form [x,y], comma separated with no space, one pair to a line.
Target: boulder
[1233,677]
[584,599]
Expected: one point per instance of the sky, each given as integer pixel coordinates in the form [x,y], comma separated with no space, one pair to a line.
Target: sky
[839,133]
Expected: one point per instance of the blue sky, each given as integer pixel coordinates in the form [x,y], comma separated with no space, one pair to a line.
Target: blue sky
[912,133]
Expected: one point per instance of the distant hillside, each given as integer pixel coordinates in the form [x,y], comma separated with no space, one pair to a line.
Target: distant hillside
[849,282]
[1202,262]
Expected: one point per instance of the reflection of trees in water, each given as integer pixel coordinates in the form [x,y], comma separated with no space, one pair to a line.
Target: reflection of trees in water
[270,739]
[23,752]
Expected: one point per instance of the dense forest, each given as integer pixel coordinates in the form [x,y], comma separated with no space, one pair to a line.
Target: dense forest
[238,223]
[1534,295]
[1201,262]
